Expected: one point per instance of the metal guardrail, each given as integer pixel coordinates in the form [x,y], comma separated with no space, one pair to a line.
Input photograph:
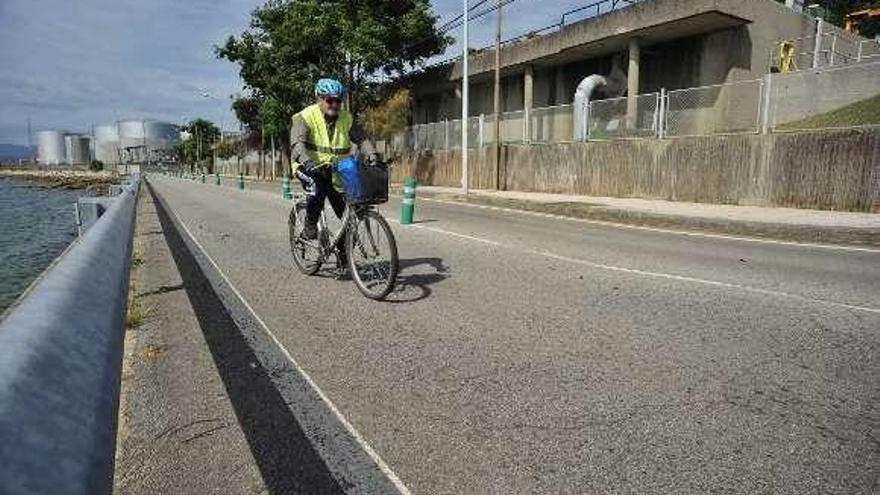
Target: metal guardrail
[60,364]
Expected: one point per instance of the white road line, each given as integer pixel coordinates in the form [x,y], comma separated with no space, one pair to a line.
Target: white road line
[447,232]
[386,470]
[657,229]
[644,273]
[715,283]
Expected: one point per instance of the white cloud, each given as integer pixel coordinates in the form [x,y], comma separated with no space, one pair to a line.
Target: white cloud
[71,64]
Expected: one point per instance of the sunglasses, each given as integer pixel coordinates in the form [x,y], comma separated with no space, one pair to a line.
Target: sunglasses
[332,100]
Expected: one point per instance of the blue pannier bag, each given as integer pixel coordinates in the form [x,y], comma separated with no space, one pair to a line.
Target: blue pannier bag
[363,184]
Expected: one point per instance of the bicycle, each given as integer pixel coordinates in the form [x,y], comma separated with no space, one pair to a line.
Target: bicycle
[364,230]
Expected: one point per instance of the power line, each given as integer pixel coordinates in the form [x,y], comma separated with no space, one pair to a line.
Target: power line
[446,26]
[458,22]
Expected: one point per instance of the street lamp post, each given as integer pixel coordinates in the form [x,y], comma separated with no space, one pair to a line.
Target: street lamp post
[464,101]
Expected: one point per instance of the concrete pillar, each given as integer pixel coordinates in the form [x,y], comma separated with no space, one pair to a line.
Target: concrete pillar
[632,84]
[562,97]
[528,94]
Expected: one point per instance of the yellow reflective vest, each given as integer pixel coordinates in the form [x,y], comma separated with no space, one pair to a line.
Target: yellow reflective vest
[321,147]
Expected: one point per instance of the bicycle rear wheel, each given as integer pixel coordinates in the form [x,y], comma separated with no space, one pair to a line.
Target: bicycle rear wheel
[372,255]
[306,253]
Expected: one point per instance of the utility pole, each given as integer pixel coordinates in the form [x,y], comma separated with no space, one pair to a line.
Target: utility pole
[497,107]
[464,101]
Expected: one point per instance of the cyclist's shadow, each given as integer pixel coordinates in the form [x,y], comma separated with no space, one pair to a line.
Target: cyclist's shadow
[413,282]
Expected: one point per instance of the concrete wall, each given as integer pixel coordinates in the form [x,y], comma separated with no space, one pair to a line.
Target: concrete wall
[800,94]
[837,170]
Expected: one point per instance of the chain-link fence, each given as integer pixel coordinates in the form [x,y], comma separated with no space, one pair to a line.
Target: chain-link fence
[428,136]
[722,109]
[812,52]
[869,50]
[551,124]
[474,136]
[621,118]
[830,98]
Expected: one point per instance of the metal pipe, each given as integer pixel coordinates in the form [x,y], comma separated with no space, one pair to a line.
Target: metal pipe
[582,97]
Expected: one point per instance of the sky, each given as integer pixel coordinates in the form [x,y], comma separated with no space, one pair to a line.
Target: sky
[73,64]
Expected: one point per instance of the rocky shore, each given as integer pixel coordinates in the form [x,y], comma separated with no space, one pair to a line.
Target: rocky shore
[63,179]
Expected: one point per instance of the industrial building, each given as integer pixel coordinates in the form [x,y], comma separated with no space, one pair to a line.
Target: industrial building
[631,48]
[127,141]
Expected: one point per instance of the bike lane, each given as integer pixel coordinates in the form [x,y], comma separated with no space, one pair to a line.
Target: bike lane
[497,370]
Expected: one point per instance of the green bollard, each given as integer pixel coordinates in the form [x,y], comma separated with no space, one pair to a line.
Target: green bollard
[285,187]
[408,206]
[216,178]
[241,180]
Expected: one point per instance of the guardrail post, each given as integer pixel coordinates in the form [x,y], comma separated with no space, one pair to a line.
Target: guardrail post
[481,122]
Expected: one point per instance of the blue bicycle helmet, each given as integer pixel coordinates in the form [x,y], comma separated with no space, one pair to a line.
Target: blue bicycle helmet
[329,87]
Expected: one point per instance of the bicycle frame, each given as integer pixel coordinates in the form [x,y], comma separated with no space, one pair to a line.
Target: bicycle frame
[350,214]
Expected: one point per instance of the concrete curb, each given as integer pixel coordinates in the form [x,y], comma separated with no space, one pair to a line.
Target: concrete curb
[777,231]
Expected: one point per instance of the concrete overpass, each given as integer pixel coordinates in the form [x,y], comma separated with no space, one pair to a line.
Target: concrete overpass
[658,43]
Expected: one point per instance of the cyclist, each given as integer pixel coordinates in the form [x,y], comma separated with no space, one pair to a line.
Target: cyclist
[321,134]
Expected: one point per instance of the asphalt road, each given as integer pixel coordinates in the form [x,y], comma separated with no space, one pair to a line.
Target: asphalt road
[527,354]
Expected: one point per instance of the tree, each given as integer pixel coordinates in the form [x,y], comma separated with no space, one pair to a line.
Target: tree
[291,43]
[225,149]
[202,134]
[385,120]
[247,111]
[834,12]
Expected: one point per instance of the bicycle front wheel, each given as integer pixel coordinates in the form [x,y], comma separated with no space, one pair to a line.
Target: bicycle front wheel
[306,253]
[372,255]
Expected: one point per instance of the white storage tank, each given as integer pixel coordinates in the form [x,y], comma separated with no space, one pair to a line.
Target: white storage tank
[50,148]
[162,134]
[107,143]
[76,149]
[131,133]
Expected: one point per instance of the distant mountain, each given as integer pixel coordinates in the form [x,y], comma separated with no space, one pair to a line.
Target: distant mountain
[14,151]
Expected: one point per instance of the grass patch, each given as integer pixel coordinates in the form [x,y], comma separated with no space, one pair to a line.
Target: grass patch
[152,351]
[135,314]
[137,257]
[860,113]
